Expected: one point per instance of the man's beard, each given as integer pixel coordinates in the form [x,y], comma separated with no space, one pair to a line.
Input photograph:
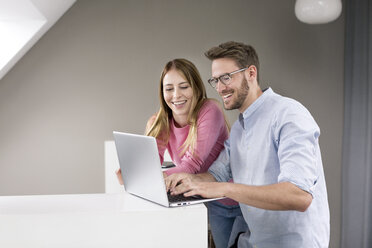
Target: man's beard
[242,95]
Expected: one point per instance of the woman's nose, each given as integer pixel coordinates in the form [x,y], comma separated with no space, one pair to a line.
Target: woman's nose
[176,93]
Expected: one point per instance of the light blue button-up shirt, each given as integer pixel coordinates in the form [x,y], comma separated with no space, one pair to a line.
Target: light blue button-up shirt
[277,140]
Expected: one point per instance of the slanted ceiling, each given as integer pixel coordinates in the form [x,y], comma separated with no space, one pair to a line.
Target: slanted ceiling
[23,23]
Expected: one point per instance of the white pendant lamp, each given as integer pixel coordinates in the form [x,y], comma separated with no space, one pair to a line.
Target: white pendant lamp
[318,11]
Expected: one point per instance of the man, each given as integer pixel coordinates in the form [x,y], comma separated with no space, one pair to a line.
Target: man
[272,155]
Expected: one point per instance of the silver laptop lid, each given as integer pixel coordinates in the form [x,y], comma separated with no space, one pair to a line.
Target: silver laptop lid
[140,166]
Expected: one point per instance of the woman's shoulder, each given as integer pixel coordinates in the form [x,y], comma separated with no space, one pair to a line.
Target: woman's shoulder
[211,110]
[212,115]
[150,121]
[211,105]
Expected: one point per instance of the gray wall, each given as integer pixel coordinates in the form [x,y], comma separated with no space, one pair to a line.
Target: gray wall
[97,70]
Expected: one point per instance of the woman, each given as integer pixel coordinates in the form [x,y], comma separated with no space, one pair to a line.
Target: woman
[193,129]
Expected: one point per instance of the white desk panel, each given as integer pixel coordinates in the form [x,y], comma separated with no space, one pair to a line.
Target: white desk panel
[98,220]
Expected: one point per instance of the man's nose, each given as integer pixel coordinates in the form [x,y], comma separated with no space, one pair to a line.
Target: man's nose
[220,87]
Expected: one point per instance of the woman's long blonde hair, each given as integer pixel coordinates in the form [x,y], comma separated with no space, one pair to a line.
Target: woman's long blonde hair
[160,127]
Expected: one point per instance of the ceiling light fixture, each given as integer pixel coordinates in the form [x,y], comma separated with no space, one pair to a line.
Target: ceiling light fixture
[318,11]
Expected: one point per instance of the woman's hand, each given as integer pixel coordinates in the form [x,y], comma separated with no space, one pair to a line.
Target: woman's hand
[120,178]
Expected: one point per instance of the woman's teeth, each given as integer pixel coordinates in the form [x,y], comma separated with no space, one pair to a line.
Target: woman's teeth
[179,103]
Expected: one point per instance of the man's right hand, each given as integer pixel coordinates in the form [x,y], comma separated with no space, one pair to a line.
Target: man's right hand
[118,174]
[203,184]
[173,180]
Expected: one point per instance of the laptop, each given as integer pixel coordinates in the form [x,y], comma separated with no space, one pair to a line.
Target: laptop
[142,173]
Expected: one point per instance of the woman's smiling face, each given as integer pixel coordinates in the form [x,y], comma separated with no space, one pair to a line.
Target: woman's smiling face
[177,93]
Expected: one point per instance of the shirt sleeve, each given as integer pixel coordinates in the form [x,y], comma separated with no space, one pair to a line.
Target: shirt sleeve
[210,125]
[161,149]
[220,169]
[298,150]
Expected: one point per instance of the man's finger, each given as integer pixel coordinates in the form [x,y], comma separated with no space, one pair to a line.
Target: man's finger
[166,184]
[189,193]
[180,188]
[174,182]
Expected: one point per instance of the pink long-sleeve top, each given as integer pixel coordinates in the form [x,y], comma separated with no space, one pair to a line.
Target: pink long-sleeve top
[211,135]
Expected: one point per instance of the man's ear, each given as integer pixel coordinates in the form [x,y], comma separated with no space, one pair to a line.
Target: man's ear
[251,73]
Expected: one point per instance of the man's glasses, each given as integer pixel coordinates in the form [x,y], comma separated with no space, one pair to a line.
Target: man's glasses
[225,78]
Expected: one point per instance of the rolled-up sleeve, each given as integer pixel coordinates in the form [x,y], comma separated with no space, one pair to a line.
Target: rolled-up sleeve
[297,146]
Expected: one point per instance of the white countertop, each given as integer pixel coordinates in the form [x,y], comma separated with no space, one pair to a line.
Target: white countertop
[98,220]
[53,204]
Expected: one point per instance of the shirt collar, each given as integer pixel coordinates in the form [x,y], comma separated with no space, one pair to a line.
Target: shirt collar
[255,105]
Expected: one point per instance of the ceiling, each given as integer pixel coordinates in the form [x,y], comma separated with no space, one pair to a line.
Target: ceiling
[23,23]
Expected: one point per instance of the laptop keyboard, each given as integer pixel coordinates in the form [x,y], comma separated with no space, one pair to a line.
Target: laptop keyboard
[181,198]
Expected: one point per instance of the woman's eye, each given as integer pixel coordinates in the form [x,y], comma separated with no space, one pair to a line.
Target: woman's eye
[168,89]
[184,87]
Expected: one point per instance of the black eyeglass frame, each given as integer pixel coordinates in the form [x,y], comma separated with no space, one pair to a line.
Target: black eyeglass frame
[214,81]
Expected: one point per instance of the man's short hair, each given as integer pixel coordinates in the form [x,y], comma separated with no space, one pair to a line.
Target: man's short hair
[243,55]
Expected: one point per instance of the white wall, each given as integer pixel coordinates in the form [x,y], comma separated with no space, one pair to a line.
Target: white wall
[97,70]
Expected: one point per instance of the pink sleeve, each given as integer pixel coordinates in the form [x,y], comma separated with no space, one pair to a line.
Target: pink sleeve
[161,149]
[210,125]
